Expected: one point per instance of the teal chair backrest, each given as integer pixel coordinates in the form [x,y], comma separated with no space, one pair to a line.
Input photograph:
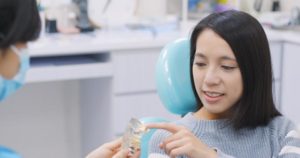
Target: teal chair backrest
[173,79]
[174,86]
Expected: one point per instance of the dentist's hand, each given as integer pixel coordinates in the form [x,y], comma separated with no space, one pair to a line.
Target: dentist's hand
[112,150]
[183,142]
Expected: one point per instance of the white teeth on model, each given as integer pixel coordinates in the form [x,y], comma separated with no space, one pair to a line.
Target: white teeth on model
[212,94]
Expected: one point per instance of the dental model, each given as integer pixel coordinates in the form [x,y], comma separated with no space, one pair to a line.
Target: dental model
[133,135]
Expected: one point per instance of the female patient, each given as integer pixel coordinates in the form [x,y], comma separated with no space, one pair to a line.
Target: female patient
[232,77]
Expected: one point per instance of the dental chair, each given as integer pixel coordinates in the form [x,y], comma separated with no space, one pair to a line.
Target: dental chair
[174,86]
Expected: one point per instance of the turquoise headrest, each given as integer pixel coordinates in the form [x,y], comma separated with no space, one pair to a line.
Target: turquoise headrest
[173,78]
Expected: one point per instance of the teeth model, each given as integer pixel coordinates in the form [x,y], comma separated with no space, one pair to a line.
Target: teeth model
[133,134]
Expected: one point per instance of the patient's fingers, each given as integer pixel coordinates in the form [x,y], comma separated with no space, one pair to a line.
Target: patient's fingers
[166,126]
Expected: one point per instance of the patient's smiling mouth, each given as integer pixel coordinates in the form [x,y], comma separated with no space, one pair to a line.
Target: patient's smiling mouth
[212,97]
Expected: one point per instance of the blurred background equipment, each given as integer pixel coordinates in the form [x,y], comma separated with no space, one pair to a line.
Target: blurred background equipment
[111,13]
[84,23]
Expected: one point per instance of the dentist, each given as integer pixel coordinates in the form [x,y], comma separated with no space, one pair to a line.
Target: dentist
[19,24]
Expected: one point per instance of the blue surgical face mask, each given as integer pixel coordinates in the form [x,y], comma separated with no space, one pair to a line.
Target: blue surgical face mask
[9,86]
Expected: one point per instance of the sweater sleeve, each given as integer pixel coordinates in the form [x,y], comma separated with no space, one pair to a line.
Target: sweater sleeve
[155,140]
[289,139]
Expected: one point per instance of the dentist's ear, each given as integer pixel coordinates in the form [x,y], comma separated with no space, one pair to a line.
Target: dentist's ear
[10,86]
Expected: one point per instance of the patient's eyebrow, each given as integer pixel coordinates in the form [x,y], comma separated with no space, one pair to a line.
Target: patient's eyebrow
[227,58]
[199,55]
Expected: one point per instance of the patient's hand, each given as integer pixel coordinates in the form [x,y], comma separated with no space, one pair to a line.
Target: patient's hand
[182,142]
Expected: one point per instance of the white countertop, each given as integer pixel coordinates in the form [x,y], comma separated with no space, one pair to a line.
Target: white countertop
[98,41]
[105,41]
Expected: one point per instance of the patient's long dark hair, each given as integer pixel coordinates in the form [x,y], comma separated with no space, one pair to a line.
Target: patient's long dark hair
[249,43]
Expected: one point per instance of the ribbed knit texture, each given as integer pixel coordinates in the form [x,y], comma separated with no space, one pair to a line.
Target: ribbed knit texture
[261,142]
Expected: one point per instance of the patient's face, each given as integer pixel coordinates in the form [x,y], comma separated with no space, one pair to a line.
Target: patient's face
[216,74]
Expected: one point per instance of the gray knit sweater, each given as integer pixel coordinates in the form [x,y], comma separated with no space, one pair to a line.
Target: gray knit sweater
[279,139]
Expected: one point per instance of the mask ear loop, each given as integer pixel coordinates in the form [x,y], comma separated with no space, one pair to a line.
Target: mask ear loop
[15,49]
[18,50]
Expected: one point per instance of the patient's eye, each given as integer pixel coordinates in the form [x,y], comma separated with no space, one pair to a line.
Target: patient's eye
[200,64]
[228,68]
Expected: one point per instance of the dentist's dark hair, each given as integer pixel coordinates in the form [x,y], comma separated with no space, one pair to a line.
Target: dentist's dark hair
[249,43]
[19,22]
